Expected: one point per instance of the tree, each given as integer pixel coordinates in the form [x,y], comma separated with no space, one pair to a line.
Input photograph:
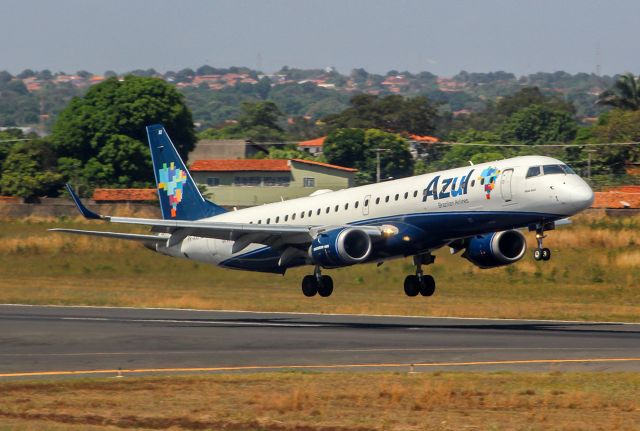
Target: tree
[27,171]
[392,113]
[355,148]
[539,124]
[625,93]
[528,96]
[618,126]
[105,129]
[265,114]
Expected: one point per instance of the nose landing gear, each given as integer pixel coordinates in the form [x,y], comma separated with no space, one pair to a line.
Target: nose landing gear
[541,253]
[423,284]
[317,284]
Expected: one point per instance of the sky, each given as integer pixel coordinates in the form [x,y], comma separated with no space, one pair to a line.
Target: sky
[439,36]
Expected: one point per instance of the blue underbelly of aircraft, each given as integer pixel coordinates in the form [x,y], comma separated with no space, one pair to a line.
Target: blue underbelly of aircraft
[417,233]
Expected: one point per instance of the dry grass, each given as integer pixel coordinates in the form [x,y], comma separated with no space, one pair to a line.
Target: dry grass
[593,275]
[333,401]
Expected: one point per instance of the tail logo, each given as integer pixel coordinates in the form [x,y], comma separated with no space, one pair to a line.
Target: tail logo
[487,178]
[172,180]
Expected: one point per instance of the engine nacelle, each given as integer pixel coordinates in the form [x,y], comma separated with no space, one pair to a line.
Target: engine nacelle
[340,247]
[496,249]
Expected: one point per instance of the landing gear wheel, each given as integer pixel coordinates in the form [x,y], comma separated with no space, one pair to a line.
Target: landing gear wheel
[537,254]
[546,254]
[309,285]
[428,285]
[325,287]
[411,285]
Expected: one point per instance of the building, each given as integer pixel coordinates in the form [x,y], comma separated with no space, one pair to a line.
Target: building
[249,182]
[224,149]
[312,146]
[419,146]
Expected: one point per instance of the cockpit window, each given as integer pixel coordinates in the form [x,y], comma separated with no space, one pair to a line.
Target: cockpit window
[533,171]
[568,170]
[553,169]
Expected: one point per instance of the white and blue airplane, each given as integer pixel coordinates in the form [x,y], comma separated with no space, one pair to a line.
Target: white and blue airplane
[479,209]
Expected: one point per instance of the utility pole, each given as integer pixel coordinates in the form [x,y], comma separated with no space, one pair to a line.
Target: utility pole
[589,152]
[378,151]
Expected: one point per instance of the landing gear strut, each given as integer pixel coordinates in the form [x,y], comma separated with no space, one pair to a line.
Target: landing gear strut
[541,253]
[421,283]
[317,284]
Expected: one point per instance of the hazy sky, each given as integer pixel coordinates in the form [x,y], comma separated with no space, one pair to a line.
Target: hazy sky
[441,36]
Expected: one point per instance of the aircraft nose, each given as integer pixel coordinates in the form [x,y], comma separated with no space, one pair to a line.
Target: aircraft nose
[580,195]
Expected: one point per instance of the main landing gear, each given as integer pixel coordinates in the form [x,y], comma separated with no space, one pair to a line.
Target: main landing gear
[317,284]
[541,253]
[423,284]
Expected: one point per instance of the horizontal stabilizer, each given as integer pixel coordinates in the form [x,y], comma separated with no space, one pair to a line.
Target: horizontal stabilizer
[116,235]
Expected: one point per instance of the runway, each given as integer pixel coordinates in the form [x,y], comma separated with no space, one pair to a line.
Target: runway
[57,341]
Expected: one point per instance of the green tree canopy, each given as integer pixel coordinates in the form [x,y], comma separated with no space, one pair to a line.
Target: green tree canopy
[260,114]
[625,93]
[27,171]
[355,148]
[391,113]
[105,130]
[539,124]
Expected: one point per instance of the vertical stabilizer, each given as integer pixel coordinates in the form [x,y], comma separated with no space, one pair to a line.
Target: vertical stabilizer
[179,196]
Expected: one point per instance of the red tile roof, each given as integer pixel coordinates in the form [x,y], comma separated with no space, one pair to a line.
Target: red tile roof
[425,139]
[240,165]
[622,197]
[281,165]
[130,195]
[326,165]
[318,142]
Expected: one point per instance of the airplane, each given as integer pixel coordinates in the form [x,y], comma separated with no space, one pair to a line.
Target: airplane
[478,209]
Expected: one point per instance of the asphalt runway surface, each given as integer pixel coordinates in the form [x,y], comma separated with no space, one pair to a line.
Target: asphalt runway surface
[61,341]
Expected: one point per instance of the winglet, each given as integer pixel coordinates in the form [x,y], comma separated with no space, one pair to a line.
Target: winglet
[87,213]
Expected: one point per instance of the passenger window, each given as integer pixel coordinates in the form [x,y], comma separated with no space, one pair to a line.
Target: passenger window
[346,206]
[250,222]
[268,220]
[533,171]
[356,204]
[406,195]
[302,214]
[319,211]
[327,210]
[286,218]
[397,196]
[377,201]
[386,199]
[473,183]
[552,169]
[293,216]
[259,221]
[336,208]
[310,213]
[278,219]
[415,193]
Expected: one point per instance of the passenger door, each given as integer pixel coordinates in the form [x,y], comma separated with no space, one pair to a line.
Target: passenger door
[505,185]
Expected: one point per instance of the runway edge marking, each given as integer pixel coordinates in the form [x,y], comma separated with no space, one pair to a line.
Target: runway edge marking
[334,366]
[299,313]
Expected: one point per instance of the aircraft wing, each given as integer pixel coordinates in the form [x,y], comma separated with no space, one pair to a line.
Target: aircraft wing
[173,232]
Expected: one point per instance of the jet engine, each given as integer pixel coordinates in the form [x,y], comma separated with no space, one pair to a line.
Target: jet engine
[340,247]
[496,249]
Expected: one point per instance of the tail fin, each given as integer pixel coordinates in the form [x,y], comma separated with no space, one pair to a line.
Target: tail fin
[179,196]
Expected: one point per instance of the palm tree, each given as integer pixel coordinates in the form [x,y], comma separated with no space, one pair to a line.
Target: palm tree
[625,93]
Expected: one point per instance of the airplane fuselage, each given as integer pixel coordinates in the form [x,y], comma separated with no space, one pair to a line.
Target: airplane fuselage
[427,211]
